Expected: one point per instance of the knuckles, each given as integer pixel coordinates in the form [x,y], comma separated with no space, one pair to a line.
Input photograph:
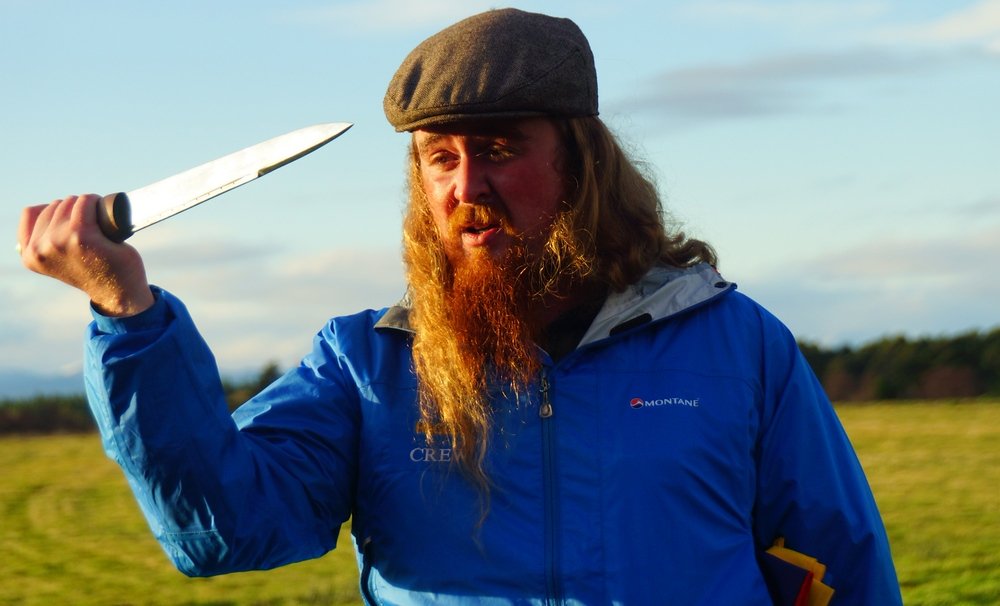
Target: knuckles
[54,235]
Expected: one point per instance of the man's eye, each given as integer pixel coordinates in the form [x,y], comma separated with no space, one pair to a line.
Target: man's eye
[440,159]
[498,152]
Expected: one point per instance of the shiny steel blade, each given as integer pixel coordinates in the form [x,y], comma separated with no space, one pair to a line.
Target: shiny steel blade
[165,198]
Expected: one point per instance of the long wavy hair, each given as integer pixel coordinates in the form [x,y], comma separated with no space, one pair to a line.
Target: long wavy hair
[619,205]
[610,231]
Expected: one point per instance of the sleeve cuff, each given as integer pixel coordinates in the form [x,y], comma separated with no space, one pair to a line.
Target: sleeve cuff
[153,318]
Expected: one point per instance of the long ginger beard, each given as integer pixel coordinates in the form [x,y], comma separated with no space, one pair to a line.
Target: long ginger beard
[474,324]
[488,308]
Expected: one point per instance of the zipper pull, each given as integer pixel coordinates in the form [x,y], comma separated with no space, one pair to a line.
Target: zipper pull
[545,409]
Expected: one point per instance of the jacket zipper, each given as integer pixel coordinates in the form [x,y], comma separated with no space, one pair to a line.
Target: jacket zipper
[366,573]
[545,408]
[545,411]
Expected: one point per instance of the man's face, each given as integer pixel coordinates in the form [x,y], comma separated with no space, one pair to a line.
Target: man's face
[491,184]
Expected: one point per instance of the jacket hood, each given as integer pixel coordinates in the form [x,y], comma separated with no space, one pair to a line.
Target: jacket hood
[660,294]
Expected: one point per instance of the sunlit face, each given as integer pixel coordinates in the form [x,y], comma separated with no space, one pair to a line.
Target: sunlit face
[490,184]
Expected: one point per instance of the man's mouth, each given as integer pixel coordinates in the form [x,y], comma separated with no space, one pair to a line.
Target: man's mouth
[477,226]
[478,229]
[479,235]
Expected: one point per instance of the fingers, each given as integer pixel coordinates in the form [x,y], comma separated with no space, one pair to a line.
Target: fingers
[63,240]
[35,221]
[29,216]
[52,228]
[84,210]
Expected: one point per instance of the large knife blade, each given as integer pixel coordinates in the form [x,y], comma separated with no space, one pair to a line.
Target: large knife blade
[123,213]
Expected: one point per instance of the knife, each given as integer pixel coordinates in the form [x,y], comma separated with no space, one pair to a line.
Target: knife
[121,214]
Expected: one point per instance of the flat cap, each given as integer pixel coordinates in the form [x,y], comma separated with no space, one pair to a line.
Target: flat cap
[501,63]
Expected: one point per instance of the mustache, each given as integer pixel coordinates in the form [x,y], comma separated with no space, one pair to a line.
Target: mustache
[477,217]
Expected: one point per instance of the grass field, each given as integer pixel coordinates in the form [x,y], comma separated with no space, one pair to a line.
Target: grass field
[935,472]
[70,532]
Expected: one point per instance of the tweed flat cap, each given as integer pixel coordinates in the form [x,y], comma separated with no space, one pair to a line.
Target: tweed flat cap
[501,63]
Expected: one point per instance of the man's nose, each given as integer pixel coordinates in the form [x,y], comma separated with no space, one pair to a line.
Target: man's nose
[472,182]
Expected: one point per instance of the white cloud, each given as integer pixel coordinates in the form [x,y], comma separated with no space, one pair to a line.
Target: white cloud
[787,14]
[777,84]
[268,309]
[943,285]
[42,326]
[978,23]
[253,304]
[942,260]
[986,207]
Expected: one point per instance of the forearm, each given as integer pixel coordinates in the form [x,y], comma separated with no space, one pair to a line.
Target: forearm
[205,488]
[157,418]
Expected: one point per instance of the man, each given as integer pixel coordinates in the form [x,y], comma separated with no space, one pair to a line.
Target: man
[569,406]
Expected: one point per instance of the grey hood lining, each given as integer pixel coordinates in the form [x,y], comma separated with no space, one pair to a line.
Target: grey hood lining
[661,293]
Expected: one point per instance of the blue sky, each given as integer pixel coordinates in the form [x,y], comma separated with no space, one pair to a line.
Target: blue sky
[842,156]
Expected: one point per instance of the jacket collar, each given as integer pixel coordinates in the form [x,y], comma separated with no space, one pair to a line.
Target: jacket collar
[661,293]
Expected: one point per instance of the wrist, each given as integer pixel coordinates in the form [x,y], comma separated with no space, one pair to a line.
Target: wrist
[124,304]
[153,319]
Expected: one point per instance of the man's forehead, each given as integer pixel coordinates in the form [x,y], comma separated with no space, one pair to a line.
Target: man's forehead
[506,129]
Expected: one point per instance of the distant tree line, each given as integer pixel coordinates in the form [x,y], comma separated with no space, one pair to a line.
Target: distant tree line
[45,414]
[963,366]
[893,368]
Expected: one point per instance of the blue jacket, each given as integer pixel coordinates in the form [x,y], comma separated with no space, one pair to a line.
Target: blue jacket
[683,436]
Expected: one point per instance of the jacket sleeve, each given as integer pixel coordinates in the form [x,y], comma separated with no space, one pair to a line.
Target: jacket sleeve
[811,488]
[221,496]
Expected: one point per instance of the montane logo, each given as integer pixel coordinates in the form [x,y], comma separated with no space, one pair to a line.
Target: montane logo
[644,403]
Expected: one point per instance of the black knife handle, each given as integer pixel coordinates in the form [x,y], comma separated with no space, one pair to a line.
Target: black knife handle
[114,216]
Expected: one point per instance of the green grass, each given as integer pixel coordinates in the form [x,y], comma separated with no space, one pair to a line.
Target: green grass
[70,532]
[935,472]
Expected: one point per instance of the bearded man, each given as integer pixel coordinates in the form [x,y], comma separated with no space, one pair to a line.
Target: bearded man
[570,406]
